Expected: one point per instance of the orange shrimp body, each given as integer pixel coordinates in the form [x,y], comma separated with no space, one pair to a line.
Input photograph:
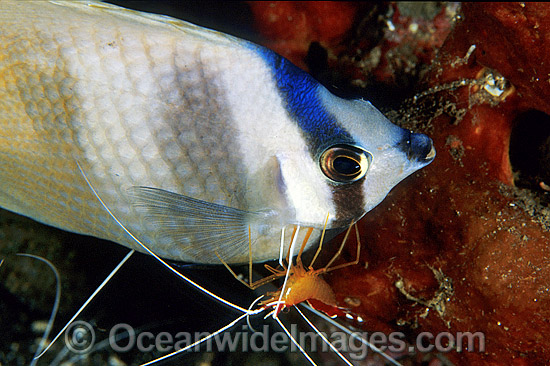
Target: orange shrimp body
[303,285]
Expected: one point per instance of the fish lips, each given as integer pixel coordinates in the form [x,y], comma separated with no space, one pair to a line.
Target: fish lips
[419,148]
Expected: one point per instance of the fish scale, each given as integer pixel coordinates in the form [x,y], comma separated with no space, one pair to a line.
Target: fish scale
[189,136]
[109,145]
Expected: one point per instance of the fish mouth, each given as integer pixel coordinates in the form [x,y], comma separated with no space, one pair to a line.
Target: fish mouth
[431,155]
[418,147]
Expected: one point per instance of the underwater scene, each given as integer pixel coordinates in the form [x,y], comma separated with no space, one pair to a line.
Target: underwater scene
[318,226]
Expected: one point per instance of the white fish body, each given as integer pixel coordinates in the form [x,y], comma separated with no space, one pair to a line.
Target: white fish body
[190,136]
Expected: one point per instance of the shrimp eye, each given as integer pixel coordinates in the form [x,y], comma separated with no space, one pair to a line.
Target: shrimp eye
[345,163]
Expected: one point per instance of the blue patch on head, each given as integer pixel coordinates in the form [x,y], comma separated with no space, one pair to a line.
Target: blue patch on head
[300,92]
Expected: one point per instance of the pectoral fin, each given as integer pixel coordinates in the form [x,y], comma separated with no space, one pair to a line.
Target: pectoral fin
[204,228]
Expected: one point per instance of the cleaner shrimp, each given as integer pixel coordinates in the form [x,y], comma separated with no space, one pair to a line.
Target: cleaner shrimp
[303,286]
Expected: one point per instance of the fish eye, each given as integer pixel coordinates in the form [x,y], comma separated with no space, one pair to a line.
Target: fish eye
[345,163]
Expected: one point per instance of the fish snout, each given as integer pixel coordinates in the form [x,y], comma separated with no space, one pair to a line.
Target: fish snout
[419,148]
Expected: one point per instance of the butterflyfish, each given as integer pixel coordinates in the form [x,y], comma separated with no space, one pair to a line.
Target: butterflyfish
[190,136]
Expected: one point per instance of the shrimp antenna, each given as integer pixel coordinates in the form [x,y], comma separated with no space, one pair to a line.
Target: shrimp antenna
[291,253]
[188,280]
[221,330]
[245,312]
[354,335]
[55,306]
[105,281]
[99,288]
[323,337]
[293,339]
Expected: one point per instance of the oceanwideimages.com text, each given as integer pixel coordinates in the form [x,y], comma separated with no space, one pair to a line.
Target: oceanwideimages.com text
[80,337]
